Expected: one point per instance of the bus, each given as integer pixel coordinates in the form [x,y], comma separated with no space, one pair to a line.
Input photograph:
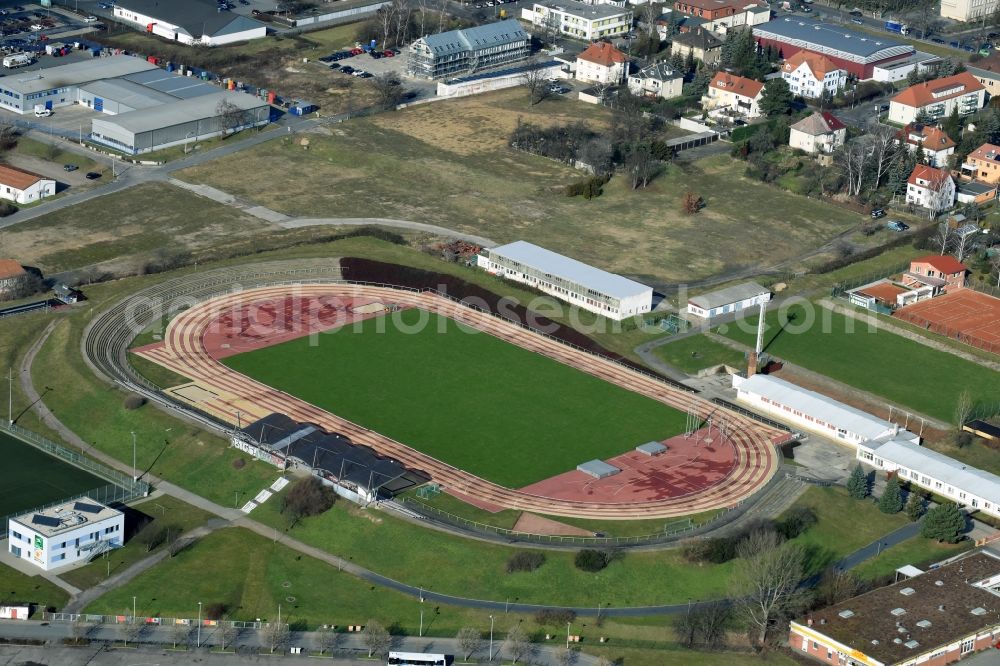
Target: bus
[417,659]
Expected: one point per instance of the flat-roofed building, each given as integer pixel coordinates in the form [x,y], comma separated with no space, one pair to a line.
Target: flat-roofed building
[191,22]
[468,50]
[933,617]
[579,19]
[575,282]
[65,533]
[728,300]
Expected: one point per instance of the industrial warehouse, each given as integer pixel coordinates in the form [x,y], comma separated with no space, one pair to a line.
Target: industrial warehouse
[151,108]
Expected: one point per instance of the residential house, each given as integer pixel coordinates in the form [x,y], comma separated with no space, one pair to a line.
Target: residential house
[579,19]
[942,267]
[812,74]
[12,278]
[735,94]
[601,62]
[982,164]
[24,187]
[657,80]
[987,72]
[705,46]
[937,145]
[930,188]
[822,133]
[938,98]
[721,15]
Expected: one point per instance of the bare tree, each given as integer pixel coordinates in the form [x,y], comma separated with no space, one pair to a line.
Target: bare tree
[851,161]
[883,146]
[79,629]
[327,640]
[470,640]
[375,637]
[386,21]
[275,634]
[401,22]
[964,407]
[389,90]
[942,237]
[639,163]
[179,633]
[518,644]
[535,82]
[231,117]
[964,240]
[422,7]
[650,12]
[227,633]
[131,629]
[995,265]
[766,580]
[566,656]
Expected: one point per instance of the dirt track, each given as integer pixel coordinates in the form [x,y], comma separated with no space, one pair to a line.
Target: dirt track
[184,352]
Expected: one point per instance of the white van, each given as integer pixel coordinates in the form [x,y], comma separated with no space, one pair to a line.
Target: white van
[42,112]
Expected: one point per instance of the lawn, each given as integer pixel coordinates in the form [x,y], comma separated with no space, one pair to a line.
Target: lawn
[869,359]
[449,163]
[410,552]
[917,551]
[156,514]
[698,352]
[55,154]
[18,587]
[34,478]
[469,399]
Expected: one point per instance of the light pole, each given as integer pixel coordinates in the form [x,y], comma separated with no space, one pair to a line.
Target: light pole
[10,397]
[135,477]
[199,624]
[491,637]
[567,635]
[133,609]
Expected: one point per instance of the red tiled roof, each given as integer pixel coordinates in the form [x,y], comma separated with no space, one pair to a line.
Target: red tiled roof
[923,172]
[603,54]
[942,263]
[923,94]
[10,269]
[933,137]
[818,64]
[17,178]
[833,121]
[987,152]
[738,84]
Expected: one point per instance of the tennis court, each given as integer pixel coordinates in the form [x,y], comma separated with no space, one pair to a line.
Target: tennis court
[965,315]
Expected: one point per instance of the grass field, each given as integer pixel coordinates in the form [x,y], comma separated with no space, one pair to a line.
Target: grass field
[877,361]
[697,352]
[449,163]
[34,478]
[917,551]
[469,399]
[18,587]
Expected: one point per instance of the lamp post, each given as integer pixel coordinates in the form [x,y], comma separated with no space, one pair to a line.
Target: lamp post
[10,397]
[135,477]
[133,609]
[199,624]
[567,635]
[491,637]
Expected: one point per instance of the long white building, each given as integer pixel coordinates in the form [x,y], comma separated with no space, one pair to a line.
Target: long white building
[191,22]
[569,280]
[731,299]
[65,533]
[815,412]
[963,484]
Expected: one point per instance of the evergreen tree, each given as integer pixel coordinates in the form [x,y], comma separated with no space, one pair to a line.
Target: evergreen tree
[677,61]
[952,125]
[944,522]
[892,499]
[914,506]
[777,98]
[857,485]
[689,62]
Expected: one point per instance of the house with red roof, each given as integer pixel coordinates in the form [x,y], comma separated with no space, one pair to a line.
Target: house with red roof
[12,277]
[821,133]
[937,145]
[938,270]
[601,62]
[938,98]
[22,186]
[812,74]
[983,164]
[735,94]
[930,188]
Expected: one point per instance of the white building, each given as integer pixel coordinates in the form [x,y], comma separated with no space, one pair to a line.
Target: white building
[65,533]
[937,146]
[731,299]
[930,188]
[721,15]
[815,412]
[575,282]
[579,19]
[938,98]
[191,22]
[24,187]
[963,484]
[821,133]
[813,74]
[658,80]
[898,70]
[967,10]
[733,94]
[601,62]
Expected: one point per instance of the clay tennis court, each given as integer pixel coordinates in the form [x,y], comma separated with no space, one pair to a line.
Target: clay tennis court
[687,479]
[965,315]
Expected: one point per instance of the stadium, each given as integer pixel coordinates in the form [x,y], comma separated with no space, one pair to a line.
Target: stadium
[495,414]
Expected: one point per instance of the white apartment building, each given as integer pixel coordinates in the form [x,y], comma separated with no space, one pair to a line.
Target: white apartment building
[578,19]
[601,62]
[812,74]
[569,280]
[65,533]
[967,10]
[938,98]
[963,484]
[821,133]
[930,188]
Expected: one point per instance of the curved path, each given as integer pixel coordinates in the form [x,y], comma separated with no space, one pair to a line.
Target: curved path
[184,352]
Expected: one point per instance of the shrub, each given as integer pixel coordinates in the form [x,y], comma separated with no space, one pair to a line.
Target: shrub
[239,463]
[133,401]
[307,497]
[215,611]
[796,521]
[525,560]
[591,560]
[588,188]
[554,617]
[714,551]
[7,208]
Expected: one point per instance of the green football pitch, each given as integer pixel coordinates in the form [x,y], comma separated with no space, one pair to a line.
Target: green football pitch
[466,398]
[30,478]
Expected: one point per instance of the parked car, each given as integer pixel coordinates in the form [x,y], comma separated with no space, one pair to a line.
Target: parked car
[896,225]
[70,167]
[355,52]
[375,54]
[358,72]
[877,213]
[954,45]
[857,21]
[93,175]
[388,53]
[37,26]
[90,19]
[365,75]
[347,69]
[937,40]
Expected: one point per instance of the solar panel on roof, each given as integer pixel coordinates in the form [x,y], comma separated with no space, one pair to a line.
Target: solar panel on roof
[47,521]
[89,508]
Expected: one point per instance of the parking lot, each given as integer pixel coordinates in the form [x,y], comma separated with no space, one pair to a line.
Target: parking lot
[28,26]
